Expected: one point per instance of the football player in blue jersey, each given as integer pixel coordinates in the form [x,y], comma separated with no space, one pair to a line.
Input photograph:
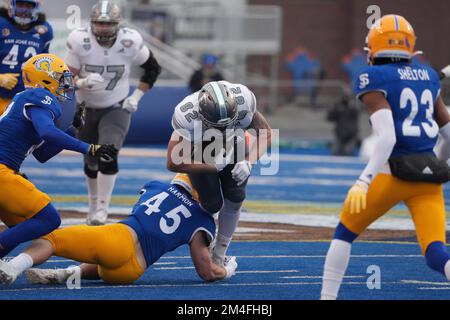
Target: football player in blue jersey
[24,32]
[165,217]
[28,127]
[407,113]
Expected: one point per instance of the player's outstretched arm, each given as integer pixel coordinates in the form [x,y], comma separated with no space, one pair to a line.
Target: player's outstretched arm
[47,151]
[263,133]
[205,267]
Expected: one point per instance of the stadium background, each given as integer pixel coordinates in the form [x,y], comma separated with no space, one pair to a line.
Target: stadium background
[290,216]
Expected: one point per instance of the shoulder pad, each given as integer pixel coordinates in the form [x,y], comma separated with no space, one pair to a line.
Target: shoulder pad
[79,41]
[130,38]
[42,98]
[370,79]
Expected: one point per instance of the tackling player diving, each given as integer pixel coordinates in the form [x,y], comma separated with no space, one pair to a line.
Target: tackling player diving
[407,113]
[165,217]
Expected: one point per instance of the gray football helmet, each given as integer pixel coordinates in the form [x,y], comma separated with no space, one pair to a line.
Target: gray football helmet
[105,21]
[217,106]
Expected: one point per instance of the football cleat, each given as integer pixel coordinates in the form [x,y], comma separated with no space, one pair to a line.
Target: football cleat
[98,218]
[48,276]
[8,274]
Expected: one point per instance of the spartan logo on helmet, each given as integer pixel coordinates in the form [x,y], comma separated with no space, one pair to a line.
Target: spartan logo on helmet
[105,20]
[217,106]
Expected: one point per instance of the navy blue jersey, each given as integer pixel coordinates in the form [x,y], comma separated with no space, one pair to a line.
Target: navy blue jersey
[412,91]
[18,137]
[165,218]
[16,47]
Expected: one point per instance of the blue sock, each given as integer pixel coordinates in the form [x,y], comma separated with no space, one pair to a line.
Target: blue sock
[342,233]
[42,223]
[437,256]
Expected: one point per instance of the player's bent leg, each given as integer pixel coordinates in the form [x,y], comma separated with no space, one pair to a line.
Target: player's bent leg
[110,246]
[209,191]
[42,223]
[428,213]
[112,128]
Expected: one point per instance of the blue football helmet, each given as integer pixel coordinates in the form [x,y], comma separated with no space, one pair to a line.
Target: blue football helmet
[24,16]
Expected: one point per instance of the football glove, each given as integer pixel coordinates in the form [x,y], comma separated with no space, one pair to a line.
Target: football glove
[131,103]
[230,266]
[356,197]
[241,171]
[105,152]
[445,73]
[9,80]
[91,80]
[79,117]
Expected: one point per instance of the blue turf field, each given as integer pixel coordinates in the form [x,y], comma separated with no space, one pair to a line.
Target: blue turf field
[267,270]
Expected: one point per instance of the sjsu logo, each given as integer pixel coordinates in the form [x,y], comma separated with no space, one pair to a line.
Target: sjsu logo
[44,64]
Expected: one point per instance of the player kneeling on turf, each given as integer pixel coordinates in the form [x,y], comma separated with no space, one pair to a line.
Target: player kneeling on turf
[165,217]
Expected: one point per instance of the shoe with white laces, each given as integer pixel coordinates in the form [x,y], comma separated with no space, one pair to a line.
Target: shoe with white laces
[8,274]
[48,276]
[98,218]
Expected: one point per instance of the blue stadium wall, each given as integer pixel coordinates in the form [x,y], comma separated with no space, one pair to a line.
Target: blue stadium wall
[151,123]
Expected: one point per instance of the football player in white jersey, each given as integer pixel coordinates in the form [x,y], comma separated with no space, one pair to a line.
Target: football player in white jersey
[223,108]
[101,57]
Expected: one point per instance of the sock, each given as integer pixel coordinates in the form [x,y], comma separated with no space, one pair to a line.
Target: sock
[22,262]
[335,266]
[92,193]
[42,223]
[447,270]
[105,183]
[228,221]
[437,257]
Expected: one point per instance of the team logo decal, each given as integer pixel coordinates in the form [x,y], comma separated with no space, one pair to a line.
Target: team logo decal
[41,29]
[127,43]
[6,32]
[43,64]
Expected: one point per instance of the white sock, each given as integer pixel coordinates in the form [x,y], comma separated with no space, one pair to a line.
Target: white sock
[228,221]
[105,185]
[22,262]
[447,270]
[92,193]
[335,266]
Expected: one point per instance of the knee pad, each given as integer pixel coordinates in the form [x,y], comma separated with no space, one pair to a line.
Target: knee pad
[236,195]
[212,205]
[437,256]
[108,167]
[91,173]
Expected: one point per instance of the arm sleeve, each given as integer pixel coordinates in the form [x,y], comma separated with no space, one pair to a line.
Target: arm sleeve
[384,130]
[43,123]
[442,149]
[47,151]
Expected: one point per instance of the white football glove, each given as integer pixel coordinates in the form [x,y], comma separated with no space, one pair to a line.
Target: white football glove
[91,80]
[223,159]
[230,266]
[241,171]
[446,71]
[131,103]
